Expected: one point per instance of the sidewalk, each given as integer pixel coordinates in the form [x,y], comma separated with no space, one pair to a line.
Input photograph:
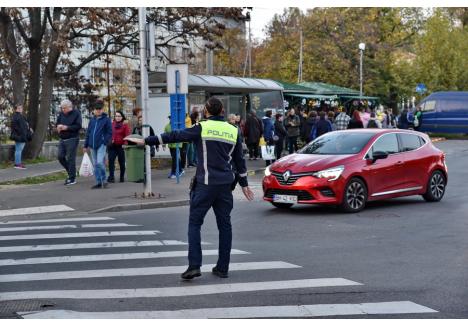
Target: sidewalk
[117,197]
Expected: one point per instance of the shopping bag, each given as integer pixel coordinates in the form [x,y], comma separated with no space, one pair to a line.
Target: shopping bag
[268,152]
[86,168]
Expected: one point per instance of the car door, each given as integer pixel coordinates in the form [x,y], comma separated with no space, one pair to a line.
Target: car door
[385,175]
[415,162]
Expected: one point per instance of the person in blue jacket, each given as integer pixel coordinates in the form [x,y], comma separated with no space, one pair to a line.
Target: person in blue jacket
[322,126]
[98,136]
[268,132]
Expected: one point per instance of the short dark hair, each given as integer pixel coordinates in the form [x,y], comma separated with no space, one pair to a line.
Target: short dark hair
[268,113]
[278,115]
[214,106]
[99,104]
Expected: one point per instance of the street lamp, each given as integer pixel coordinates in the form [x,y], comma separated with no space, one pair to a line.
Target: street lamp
[362,47]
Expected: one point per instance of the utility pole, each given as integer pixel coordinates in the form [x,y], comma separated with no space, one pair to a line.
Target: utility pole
[144,98]
[108,85]
[248,55]
[299,74]
[362,47]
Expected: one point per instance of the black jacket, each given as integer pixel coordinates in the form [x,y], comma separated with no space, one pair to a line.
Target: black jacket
[73,121]
[280,131]
[19,128]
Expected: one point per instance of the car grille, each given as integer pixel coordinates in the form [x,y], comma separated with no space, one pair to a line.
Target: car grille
[301,194]
[281,181]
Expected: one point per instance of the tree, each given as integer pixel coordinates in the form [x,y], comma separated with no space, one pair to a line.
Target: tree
[37,42]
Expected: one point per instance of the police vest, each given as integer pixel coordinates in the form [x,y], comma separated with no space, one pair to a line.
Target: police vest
[219,131]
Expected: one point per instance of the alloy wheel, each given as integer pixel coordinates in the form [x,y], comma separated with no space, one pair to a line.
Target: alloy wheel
[437,185]
[355,195]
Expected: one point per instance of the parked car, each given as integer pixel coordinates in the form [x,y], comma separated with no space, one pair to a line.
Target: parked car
[351,167]
[445,112]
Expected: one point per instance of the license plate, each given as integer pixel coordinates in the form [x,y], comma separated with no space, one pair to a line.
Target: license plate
[287,199]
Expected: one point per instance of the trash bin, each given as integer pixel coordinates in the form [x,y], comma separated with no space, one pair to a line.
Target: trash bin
[135,162]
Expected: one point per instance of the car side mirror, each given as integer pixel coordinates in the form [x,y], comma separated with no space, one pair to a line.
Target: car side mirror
[378,156]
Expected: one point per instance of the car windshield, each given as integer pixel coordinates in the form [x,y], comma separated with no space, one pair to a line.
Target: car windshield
[337,143]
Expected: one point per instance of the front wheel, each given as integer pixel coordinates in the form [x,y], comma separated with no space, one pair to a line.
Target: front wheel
[435,187]
[282,205]
[355,196]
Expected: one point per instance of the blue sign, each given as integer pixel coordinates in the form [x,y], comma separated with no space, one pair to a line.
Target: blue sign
[177,111]
[421,88]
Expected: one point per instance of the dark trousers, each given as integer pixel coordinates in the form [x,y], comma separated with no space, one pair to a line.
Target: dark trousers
[182,158]
[202,198]
[116,151]
[67,155]
[292,144]
[253,150]
[279,148]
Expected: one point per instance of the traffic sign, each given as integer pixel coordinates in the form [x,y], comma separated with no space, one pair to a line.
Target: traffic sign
[421,88]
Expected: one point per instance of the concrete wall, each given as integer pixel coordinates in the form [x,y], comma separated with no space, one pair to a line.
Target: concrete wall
[49,150]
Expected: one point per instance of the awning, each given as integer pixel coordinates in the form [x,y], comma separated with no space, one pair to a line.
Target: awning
[357,97]
[313,96]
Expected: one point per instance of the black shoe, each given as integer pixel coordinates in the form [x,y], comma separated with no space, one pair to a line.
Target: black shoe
[111,180]
[218,273]
[191,273]
[104,185]
[122,179]
[70,182]
[97,186]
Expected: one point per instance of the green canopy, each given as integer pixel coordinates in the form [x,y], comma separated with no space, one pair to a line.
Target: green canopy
[324,88]
[357,97]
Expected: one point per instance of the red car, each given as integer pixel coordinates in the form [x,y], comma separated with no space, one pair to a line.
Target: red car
[351,167]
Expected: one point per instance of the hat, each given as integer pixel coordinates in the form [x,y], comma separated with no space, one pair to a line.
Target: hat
[99,104]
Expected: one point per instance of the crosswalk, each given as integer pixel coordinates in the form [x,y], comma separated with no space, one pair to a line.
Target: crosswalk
[65,263]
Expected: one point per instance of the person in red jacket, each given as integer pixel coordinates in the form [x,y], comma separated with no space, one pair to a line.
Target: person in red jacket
[120,130]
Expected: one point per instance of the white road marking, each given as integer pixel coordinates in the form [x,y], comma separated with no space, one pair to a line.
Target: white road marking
[137,271]
[76,235]
[35,210]
[126,256]
[91,245]
[71,219]
[69,226]
[179,291]
[303,311]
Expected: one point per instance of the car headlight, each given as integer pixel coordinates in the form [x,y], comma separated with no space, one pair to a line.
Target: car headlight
[330,174]
[267,171]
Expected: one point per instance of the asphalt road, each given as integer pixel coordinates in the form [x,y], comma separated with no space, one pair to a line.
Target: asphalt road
[404,252]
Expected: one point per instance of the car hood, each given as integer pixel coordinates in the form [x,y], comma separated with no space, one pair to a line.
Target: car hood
[299,163]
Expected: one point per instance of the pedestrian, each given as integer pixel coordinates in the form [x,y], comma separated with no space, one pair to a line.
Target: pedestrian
[309,124]
[281,132]
[403,119]
[321,127]
[20,134]
[68,127]
[365,115]
[138,130]
[192,147]
[390,119]
[293,125]
[182,155]
[253,132]
[268,132]
[331,117]
[374,122]
[218,143]
[98,136]
[417,118]
[120,130]
[355,121]
[342,120]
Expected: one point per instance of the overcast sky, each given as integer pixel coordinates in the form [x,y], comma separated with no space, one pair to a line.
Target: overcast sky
[261,17]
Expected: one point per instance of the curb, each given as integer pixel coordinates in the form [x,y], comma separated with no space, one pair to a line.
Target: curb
[154,205]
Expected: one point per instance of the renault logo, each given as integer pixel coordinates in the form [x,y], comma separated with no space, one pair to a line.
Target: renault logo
[286,175]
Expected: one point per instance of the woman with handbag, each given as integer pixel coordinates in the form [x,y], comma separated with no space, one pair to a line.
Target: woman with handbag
[20,133]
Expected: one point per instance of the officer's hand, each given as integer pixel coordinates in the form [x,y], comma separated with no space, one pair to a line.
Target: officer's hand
[138,141]
[248,193]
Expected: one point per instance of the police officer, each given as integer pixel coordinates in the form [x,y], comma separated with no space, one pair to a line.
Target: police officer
[217,143]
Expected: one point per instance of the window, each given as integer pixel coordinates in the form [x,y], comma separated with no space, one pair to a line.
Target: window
[453,105]
[409,142]
[98,75]
[387,143]
[117,76]
[428,106]
[135,48]
[338,144]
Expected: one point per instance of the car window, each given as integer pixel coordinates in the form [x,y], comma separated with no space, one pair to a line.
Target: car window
[422,141]
[338,143]
[387,143]
[428,106]
[452,105]
[409,142]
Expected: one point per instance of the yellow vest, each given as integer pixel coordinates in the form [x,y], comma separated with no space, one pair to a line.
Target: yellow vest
[219,130]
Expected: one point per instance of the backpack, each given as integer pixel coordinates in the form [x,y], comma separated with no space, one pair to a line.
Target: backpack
[372,124]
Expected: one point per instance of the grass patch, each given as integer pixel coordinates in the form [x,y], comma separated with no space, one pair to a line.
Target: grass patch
[37,180]
[40,159]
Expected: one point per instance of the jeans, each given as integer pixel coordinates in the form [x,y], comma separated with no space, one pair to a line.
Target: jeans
[18,151]
[116,151]
[202,198]
[98,155]
[182,158]
[67,155]
[279,148]
[292,142]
